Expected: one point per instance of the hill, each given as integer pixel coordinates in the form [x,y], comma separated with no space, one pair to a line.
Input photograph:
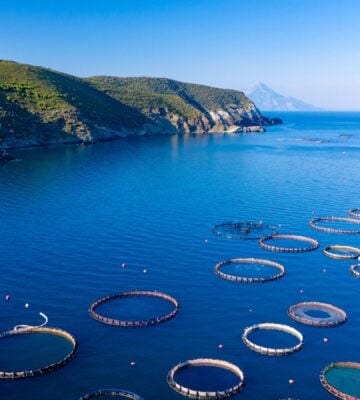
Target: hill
[268,100]
[190,108]
[39,106]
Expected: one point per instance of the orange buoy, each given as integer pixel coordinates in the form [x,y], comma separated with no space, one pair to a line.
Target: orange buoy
[325,339]
[145,271]
[133,363]
[123,265]
[291,381]
[220,346]
[7,297]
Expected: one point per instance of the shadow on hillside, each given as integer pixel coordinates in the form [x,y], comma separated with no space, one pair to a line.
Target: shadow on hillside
[94,106]
[19,124]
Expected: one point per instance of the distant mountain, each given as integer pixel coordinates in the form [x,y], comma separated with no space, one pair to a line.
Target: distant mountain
[39,106]
[267,99]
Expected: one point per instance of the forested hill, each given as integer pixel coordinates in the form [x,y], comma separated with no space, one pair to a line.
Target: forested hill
[39,106]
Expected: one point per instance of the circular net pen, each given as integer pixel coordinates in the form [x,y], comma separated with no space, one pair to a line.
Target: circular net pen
[312,244]
[271,265]
[317,314]
[342,380]
[355,270]
[30,373]
[354,213]
[270,351]
[314,223]
[340,252]
[246,230]
[111,393]
[134,323]
[203,394]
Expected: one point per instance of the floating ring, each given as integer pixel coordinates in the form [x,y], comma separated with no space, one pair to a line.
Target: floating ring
[244,279]
[268,350]
[206,362]
[245,228]
[355,270]
[336,316]
[134,323]
[314,221]
[328,252]
[112,393]
[314,244]
[331,389]
[355,213]
[47,368]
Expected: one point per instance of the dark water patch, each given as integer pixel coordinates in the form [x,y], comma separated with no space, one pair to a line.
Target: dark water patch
[31,351]
[206,378]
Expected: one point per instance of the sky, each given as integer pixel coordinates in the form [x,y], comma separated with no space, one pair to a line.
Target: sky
[308,49]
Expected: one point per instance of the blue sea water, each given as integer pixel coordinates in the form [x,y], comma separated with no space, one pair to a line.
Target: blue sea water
[71,215]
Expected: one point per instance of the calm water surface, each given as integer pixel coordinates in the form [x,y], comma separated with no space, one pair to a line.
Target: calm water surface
[70,216]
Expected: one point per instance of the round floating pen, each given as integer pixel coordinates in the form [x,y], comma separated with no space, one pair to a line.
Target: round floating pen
[134,323]
[253,262]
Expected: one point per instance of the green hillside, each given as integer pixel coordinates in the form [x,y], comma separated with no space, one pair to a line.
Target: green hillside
[42,105]
[136,92]
[39,106]
[186,99]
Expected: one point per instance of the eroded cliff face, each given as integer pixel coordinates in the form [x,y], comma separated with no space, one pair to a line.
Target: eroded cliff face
[233,119]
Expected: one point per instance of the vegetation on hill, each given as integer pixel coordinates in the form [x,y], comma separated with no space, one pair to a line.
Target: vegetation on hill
[41,106]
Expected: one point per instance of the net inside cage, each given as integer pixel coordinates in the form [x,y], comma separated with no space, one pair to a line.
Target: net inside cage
[244,230]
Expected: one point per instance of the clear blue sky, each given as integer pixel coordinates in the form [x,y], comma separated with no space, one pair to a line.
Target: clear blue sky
[305,48]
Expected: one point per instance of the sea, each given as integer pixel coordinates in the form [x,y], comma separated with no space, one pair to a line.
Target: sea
[79,222]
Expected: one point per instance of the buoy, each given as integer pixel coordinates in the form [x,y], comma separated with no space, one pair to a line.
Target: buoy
[325,339]
[250,310]
[301,291]
[123,265]
[133,363]
[26,305]
[220,346]
[206,241]
[324,270]
[291,381]
[145,271]
[7,297]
